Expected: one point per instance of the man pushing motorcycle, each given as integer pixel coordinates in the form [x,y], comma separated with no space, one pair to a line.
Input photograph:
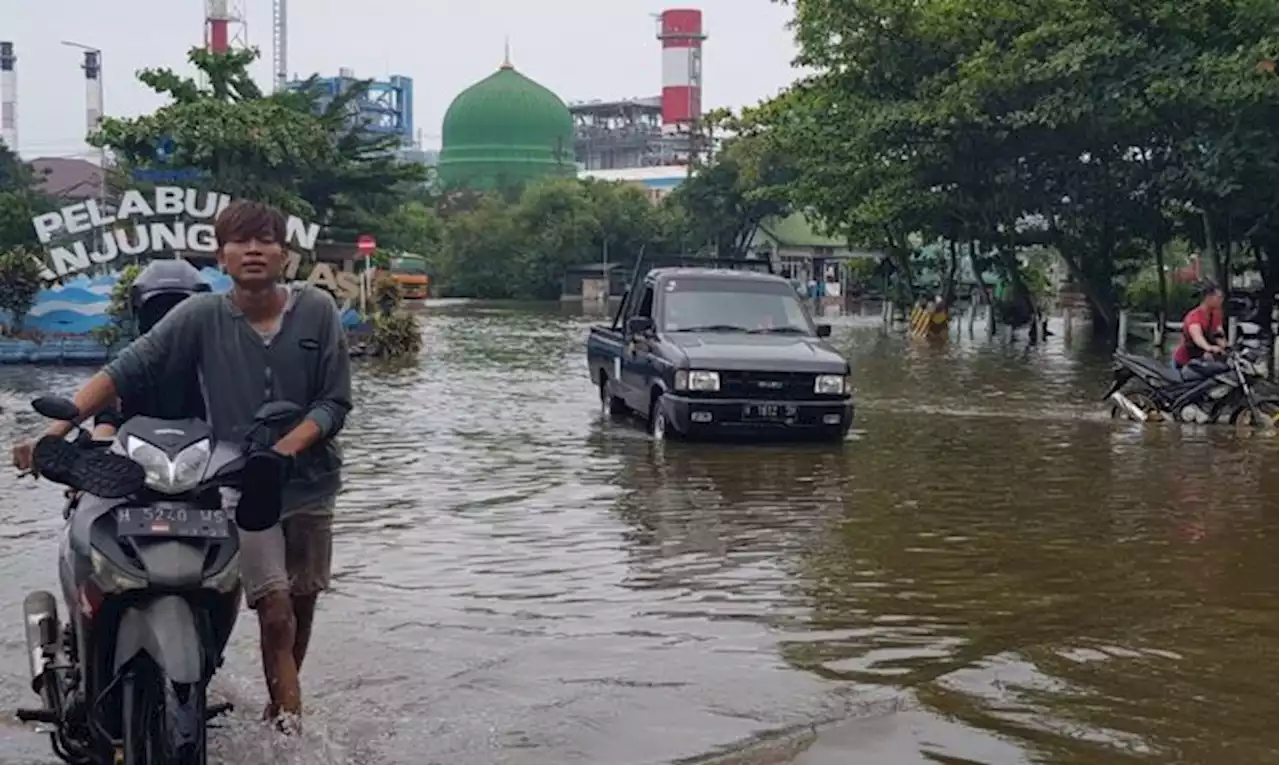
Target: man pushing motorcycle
[1202,328]
[262,341]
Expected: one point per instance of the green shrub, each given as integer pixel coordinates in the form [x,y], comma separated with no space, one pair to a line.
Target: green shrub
[19,283]
[395,335]
[1143,296]
[386,294]
[121,325]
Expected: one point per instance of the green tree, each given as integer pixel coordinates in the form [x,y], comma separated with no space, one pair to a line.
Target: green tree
[497,247]
[724,202]
[20,201]
[479,249]
[1102,129]
[284,148]
[19,283]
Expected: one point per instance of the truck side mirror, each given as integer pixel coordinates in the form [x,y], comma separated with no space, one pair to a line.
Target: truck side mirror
[639,325]
[824,330]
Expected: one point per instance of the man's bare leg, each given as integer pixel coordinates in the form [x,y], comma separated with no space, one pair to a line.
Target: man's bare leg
[278,629]
[304,615]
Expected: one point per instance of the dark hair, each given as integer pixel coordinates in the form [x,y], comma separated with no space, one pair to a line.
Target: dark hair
[1207,287]
[243,220]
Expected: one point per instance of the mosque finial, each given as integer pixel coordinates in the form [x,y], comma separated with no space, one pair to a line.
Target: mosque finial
[506,54]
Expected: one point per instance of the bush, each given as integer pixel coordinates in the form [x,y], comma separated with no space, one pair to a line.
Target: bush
[1143,296]
[121,315]
[19,283]
[395,335]
[387,296]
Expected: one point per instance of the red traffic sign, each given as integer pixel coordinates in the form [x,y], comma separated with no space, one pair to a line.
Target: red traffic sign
[366,244]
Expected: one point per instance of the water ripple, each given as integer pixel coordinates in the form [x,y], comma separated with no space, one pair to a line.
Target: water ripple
[988,571]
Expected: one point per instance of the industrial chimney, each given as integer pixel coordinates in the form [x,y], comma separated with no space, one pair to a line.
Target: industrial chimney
[92,90]
[224,25]
[8,96]
[680,31]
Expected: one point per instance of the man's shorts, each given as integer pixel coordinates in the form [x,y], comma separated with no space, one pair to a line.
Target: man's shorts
[293,556]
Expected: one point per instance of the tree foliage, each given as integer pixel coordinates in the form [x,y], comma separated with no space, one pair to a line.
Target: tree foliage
[1103,128]
[292,148]
[20,200]
[490,246]
[725,201]
[19,283]
[121,325]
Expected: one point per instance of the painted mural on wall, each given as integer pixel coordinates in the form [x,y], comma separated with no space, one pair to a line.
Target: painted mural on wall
[80,306]
[84,236]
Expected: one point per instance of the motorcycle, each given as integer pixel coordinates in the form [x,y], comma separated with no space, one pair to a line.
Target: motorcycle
[1206,390]
[148,567]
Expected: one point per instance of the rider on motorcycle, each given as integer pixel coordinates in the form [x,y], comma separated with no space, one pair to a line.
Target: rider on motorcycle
[154,292]
[1202,332]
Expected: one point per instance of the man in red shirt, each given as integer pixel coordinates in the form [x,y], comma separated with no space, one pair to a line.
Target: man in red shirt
[1202,328]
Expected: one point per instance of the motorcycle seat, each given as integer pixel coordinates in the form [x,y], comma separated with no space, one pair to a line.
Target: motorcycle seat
[1198,369]
[1155,366]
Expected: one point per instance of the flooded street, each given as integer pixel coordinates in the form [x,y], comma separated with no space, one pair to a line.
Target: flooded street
[988,571]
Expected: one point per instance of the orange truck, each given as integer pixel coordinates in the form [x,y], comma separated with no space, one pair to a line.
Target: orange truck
[410,272]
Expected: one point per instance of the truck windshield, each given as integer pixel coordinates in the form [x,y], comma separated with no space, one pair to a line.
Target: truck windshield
[408,266]
[732,305]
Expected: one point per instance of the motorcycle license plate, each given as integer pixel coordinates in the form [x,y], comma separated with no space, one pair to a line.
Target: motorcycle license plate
[167,521]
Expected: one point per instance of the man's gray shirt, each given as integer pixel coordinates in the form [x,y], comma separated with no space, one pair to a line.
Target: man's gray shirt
[305,362]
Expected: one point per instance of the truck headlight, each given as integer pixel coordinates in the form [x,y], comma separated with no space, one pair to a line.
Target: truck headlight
[697,380]
[829,385]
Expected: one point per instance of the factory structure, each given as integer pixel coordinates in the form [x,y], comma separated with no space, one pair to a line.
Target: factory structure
[660,130]
[656,131]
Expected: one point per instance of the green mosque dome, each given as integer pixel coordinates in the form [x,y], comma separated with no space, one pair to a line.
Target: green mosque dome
[504,131]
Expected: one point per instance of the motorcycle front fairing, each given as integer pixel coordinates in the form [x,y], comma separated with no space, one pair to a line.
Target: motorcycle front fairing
[165,630]
[172,601]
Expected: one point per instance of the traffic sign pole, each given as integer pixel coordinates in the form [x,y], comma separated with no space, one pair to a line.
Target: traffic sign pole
[365,244]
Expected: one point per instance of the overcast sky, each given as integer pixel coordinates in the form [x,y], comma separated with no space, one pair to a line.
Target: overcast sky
[581,49]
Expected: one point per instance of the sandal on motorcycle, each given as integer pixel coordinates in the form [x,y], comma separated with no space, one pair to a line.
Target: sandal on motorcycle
[95,472]
[261,489]
[55,459]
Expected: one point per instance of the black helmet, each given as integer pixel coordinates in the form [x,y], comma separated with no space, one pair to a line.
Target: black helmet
[159,287]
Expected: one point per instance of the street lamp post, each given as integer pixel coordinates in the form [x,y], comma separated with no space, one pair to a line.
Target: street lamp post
[92,67]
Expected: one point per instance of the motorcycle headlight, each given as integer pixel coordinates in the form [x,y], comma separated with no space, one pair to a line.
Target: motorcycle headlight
[182,473]
[109,577]
[697,380]
[829,385]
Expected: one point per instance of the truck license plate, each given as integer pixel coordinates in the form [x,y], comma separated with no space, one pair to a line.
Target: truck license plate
[768,412]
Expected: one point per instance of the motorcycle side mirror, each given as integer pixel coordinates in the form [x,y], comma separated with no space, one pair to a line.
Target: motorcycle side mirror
[56,408]
[823,330]
[278,413]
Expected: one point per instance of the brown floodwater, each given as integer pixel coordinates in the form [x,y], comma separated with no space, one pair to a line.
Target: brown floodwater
[987,571]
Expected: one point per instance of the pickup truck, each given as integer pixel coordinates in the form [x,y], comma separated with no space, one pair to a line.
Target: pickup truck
[702,351]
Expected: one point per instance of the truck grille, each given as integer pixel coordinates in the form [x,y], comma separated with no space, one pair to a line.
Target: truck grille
[767,385]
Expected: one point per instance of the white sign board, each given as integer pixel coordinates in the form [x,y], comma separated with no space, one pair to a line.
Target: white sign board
[188,226]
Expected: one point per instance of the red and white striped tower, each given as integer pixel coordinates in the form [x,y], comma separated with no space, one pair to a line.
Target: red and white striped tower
[680,31]
[224,25]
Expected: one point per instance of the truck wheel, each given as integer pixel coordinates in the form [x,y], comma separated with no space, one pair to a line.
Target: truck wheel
[658,421]
[615,406]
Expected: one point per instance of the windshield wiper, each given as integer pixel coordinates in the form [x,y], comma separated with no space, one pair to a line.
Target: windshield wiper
[780,331]
[713,328]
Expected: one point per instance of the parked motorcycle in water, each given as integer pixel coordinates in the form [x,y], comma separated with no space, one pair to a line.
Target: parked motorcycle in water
[148,566]
[1205,391]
